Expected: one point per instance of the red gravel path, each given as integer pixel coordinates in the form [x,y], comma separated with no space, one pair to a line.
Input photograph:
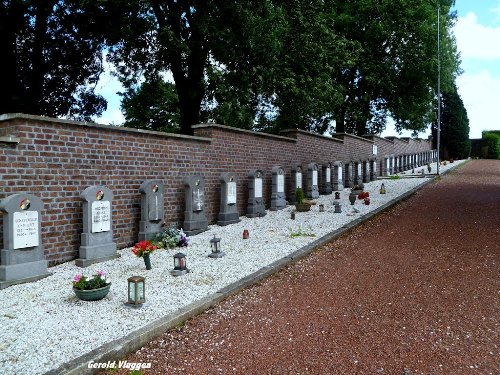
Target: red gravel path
[415,290]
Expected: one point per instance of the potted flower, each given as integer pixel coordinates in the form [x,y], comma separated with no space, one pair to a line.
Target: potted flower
[300,204]
[143,249]
[92,289]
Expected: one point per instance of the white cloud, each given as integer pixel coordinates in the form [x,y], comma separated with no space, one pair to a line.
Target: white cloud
[481,96]
[476,41]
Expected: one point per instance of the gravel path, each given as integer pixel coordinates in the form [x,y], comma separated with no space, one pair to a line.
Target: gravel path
[413,291]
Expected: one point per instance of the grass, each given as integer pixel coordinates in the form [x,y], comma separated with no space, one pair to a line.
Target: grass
[300,232]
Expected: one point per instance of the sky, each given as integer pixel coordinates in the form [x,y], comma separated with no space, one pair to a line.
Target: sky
[477,32]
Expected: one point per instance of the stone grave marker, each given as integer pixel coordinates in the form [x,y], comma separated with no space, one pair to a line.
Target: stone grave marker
[22,258]
[312,181]
[255,206]
[358,173]
[348,165]
[387,166]
[373,169]
[97,237]
[338,179]
[228,213]
[278,201]
[365,165]
[296,182]
[326,181]
[195,219]
[152,209]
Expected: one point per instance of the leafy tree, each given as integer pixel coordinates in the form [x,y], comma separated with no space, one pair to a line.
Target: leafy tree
[51,57]
[454,140]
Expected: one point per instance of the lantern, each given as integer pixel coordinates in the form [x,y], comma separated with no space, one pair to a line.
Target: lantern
[338,208]
[337,195]
[179,265]
[136,291]
[321,208]
[292,215]
[382,189]
[215,247]
[246,234]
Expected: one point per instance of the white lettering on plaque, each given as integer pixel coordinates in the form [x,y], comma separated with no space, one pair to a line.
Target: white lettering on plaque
[198,200]
[359,169]
[101,216]
[231,192]
[25,229]
[315,178]
[339,174]
[328,175]
[298,178]
[281,184]
[258,188]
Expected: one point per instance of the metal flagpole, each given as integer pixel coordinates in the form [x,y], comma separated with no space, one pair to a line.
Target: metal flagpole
[439,95]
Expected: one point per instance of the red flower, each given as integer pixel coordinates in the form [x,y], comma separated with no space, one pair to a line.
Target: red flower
[143,247]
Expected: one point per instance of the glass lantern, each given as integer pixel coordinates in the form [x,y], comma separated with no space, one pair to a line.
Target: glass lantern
[136,290]
[215,248]
[179,265]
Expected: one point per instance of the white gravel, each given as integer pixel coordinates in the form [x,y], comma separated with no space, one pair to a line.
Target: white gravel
[44,324]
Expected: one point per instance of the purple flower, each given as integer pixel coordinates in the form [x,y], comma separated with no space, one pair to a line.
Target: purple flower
[77,278]
[100,273]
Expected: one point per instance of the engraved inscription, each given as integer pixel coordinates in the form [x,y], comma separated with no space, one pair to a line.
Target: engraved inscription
[101,216]
[198,200]
[281,184]
[258,188]
[315,178]
[231,192]
[25,229]
[298,178]
[328,174]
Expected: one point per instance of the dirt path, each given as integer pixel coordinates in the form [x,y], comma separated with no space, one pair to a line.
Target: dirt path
[415,290]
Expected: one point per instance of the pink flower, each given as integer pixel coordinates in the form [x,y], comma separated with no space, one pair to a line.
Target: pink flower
[100,273]
[77,278]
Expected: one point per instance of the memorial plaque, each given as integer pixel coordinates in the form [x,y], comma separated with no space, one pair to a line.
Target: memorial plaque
[231,193]
[328,175]
[298,178]
[101,216]
[258,188]
[359,169]
[25,229]
[154,207]
[198,197]
[315,178]
[339,173]
[374,149]
[281,183]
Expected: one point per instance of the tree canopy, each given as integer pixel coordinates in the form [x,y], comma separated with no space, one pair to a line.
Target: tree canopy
[318,65]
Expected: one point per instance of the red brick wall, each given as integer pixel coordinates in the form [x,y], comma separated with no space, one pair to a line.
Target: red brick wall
[57,159]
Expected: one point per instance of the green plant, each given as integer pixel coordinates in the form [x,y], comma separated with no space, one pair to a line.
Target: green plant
[395,177]
[299,195]
[300,232]
[97,281]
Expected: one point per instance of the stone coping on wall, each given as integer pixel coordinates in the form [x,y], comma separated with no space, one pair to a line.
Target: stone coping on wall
[52,120]
[238,130]
[342,135]
[399,139]
[372,136]
[285,131]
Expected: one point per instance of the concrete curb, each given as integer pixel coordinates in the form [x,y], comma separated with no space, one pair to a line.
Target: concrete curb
[118,349]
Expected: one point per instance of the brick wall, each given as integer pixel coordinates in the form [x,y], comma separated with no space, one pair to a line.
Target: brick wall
[57,159]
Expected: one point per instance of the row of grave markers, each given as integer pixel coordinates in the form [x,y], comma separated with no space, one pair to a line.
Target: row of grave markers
[22,257]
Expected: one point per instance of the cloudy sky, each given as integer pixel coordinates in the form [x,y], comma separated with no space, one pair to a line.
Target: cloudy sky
[477,32]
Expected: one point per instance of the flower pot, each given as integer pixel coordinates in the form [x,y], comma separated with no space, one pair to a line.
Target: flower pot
[303,207]
[93,294]
[147,261]
[352,197]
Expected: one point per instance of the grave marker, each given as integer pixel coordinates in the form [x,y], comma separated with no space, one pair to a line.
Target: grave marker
[152,209]
[228,213]
[278,201]
[97,237]
[255,206]
[22,258]
[195,220]
[338,179]
[326,181]
[312,181]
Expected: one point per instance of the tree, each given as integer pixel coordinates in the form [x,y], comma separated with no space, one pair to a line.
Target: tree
[52,57]
[454,140]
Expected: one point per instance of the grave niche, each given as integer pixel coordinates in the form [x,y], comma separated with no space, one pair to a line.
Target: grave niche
[195,219]
[278,201]
[22,258]
[338,180]
[296,182]
[97,237]
[358,173]
[152,209]
[312,181]
[228,213]
[255,206]
[348,174]
[326,181]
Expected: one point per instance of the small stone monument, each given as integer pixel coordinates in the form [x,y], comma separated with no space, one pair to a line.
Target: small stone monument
[228,213]
[195,220]
[278,201]
[338,180]
[357,173]
[152,209]
[97,237]
[255,206]
[326,181]
[366,171]
[348,174]
[312,181]
[22,254]
[373,169]
[296,182]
